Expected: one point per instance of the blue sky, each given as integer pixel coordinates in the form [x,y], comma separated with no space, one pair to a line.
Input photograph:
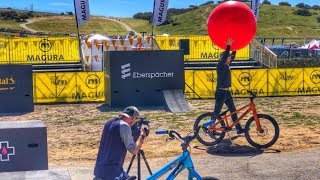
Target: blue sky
[116,8]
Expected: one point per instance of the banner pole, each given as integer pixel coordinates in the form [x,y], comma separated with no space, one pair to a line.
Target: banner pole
[75,13]
[152,35]
[78,32]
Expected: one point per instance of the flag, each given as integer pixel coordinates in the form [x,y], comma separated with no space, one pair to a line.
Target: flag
[160,11]
[255,8]
[82,11]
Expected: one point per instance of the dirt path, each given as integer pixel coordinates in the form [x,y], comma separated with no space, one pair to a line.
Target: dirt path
[128,28]
[24,25]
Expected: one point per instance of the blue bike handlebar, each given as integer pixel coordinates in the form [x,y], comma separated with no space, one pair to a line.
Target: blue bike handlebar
[162,131]
[173,133]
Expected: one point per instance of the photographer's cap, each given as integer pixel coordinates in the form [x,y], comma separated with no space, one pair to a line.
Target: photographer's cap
[131,112]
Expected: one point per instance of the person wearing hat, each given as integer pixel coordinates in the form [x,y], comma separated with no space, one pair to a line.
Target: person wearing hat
[223,94]
[116,140]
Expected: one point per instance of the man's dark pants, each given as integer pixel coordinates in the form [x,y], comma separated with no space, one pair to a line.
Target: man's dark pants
[224,97]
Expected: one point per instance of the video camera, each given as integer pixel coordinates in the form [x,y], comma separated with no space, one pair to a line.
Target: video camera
[136,128]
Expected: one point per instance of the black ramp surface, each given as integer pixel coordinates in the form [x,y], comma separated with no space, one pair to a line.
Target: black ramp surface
[175,101]
[52,174]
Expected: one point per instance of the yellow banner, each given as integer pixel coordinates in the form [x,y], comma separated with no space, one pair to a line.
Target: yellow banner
[39,50]
[266,82]
[89,86]
[68,87]
[201,48]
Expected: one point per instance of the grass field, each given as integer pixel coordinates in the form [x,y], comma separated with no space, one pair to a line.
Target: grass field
[274,21]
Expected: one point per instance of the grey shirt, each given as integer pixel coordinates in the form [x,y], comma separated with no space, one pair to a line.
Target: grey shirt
[126,136]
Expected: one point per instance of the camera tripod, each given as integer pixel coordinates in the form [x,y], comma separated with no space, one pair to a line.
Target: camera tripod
[139,154]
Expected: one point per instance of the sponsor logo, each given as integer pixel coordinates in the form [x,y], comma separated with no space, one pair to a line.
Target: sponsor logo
[285,76]
[58,81]
[125,71]
[6,151]
[244,79]
[45,45]
[7,83]
[315,76]
[92,81]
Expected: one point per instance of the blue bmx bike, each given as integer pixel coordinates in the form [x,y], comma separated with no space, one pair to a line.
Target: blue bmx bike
[184,161]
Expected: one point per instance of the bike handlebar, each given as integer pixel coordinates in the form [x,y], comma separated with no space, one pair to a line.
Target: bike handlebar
[174,133]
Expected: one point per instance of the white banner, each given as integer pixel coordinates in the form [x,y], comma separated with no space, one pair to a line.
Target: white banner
[255,8]
[160,11]
[82,11]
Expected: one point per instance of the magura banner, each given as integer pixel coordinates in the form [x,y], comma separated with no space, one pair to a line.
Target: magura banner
[160,11]
[82,11]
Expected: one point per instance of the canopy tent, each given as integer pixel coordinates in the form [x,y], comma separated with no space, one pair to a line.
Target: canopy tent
[97,37]
[314,44]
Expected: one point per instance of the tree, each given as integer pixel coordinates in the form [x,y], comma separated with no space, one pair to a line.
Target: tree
[302,12]
[318,19]
[303,6]
[284,4]
[207,3]
[70,13]
[266,2]
[316,7]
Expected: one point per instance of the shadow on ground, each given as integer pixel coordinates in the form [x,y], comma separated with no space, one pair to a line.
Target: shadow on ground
[107,108]
[227,148]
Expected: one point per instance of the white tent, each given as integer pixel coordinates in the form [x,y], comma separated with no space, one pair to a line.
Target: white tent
[98,37]
[314,44]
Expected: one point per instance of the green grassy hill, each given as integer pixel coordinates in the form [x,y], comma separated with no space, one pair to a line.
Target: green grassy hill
[274,21]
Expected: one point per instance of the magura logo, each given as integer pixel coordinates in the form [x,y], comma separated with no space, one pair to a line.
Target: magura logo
[45,45]
[315,76]
[125,71]
[6,151]
[93,81]
[244,79]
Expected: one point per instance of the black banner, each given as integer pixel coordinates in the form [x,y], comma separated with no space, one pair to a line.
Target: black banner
[139,77]
[16,88]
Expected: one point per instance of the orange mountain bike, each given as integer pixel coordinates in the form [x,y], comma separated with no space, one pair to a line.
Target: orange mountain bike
[261,130]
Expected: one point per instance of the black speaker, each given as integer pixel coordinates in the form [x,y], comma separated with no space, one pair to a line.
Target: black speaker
[184,44]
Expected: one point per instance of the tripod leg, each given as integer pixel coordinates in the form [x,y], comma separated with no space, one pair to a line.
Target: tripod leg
[146,162]
[129,167]
[139,167]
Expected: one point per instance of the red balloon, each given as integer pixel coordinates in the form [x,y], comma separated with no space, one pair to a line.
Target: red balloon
[232,19]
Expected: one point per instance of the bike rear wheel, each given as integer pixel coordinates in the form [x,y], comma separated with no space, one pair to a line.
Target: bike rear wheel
[269,135]
[206,137]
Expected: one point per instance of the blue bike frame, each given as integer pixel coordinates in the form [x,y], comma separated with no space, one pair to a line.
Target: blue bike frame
[178,165]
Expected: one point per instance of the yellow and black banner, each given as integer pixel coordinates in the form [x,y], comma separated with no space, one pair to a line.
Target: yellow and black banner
[39,50]
[68,87]
[266,82]
[201,48]
[90,86]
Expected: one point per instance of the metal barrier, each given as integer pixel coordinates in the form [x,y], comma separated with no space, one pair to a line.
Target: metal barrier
[263,54]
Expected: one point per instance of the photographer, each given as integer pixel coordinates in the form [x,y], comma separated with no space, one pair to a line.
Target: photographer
[115,141]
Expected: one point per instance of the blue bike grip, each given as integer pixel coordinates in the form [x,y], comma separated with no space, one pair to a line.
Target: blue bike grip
[161,131]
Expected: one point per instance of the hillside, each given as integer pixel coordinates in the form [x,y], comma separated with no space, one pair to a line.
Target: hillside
[274,21]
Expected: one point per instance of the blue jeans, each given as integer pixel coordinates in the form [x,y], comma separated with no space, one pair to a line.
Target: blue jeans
[224,97]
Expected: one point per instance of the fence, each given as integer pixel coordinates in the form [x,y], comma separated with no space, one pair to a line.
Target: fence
[39,50]
[201,48]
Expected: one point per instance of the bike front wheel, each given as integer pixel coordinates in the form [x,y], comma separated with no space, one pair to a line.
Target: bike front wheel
[205,136]
[269,134]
